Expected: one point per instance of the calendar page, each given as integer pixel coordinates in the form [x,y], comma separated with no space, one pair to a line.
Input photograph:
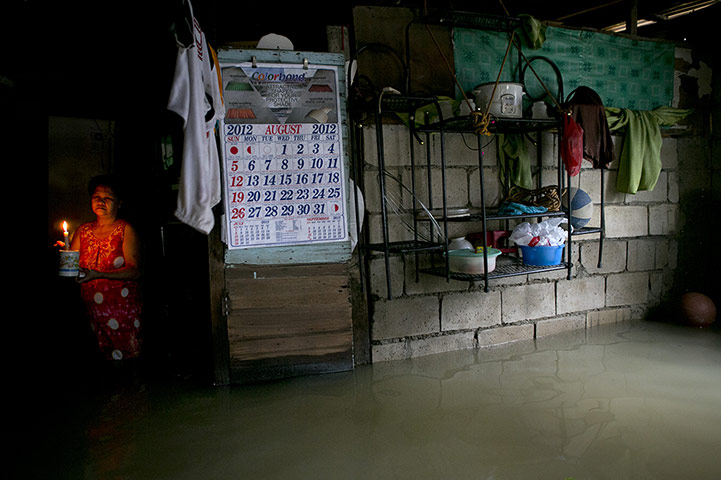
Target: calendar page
[282,156]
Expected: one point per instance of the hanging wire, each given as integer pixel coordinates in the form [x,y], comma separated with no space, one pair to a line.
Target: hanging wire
[396,206]
[475,149]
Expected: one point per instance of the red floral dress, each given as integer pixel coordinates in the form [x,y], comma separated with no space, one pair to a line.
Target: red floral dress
[114,306]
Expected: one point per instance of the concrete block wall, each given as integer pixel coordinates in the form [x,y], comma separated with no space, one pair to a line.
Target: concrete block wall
[428,314]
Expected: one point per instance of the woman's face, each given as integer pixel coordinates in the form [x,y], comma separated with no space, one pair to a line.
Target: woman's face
[104,202]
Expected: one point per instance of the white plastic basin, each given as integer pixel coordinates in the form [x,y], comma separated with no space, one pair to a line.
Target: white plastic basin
[468,261]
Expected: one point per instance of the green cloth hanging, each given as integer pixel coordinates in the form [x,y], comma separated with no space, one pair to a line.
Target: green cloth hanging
[531,32]
[640,162]
[514,161]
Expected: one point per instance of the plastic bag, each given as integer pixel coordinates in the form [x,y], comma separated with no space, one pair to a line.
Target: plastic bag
[572,145]
[545,233]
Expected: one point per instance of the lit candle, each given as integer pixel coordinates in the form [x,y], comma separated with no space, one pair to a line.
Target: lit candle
[66,236]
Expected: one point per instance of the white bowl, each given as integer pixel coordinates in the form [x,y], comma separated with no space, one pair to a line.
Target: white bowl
[468,261]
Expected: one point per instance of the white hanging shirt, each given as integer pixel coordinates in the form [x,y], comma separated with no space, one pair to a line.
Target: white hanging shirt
[196,96]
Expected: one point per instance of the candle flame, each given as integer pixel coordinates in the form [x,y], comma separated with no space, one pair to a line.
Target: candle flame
[65,227]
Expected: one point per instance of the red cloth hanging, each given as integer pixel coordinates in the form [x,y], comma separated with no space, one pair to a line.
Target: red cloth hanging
[572,145]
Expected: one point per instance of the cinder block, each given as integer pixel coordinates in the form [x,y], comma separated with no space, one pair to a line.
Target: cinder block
[611,194]
[501,335]
[553,326]
[460,311]
[371,194]
[491,187]
[626,289]
[388,351]
[580,294]
[549,153]
[672,254]
[658,194]
[641,255]
[613,258]
[611,315]
[693,153]
[690,182]
[456,187]
[396,146]
[526,302]
[673,188]
[661,284]
[399,227]
[402,317]
[563,342]
[663,219]
[459,150]
[669,157]
[379,285]
[626,221]
[413,348]
[439,344]
[662,253]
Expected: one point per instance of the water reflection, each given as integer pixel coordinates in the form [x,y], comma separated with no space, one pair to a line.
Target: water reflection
[628,401]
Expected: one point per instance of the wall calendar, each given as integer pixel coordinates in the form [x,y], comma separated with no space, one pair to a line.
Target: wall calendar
[282,155]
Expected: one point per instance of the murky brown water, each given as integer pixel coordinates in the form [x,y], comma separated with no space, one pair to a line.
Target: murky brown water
[629,401]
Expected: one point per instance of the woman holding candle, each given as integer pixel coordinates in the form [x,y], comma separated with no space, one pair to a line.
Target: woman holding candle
[109,273]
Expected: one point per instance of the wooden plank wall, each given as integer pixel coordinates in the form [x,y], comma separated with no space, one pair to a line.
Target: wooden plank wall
[286,320]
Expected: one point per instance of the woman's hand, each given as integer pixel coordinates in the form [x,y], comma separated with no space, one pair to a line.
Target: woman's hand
[128,272]
[86,274]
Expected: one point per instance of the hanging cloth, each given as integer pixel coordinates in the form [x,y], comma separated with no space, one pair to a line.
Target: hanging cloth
[515,164]
[640,162]
[196,96]
[587,109]
[532,32]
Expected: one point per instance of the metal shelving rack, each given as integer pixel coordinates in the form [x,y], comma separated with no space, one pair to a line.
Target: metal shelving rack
[464,124]
[393,104]
[507,126]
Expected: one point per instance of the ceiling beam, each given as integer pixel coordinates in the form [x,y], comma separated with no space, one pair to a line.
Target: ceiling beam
[632,19]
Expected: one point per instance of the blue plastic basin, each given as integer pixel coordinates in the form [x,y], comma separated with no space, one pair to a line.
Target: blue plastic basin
[542,256]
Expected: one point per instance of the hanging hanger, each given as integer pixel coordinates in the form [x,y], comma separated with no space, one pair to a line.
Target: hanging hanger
[182,26]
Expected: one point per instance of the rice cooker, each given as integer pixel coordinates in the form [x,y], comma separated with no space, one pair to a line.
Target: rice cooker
[506,102]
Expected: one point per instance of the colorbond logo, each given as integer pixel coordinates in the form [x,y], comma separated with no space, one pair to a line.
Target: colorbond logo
[277,76]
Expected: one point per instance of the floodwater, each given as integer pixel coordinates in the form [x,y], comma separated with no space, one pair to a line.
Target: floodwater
[635,400]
